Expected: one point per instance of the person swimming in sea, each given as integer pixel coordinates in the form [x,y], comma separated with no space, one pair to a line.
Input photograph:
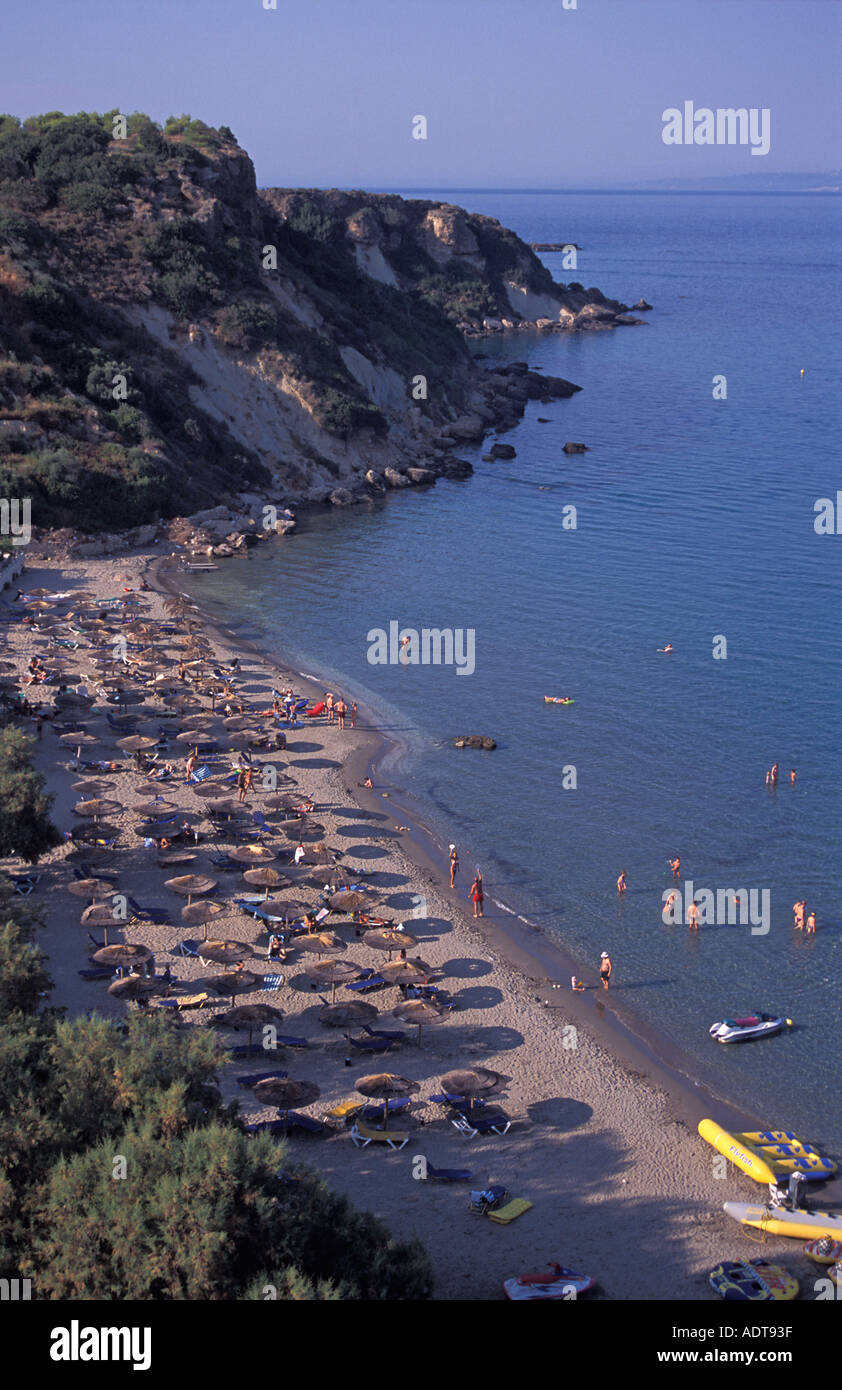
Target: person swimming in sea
[667,648]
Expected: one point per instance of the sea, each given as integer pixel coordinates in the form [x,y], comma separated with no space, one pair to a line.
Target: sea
[712,433]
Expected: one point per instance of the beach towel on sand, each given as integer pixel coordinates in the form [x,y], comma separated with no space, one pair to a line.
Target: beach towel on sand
[510,1212]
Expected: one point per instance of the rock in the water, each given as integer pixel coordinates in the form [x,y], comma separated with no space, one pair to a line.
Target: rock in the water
[642,305]
[502,451]
[575,448]
[475,741]
[452,467]
[421,475]
[543,420]
[341,497]
[395,479]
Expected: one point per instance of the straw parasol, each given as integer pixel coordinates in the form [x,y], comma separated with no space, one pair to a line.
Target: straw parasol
[343,1015]
[303,829]
[265,878]
[93,854]
[387,939]
[94,830]
[349,901]
[225,807]
[92,888]
[421,1012]
[99,806]
[93,786]
[250,1016]
[199,914]
[133,987]
[191,885]
[386,1086]
[136,743]
[406,972]
[233,982]
[79,741]
[207,790]
[320,943]
[285,1093]
[332,972]
[156,807]
[253,854]
[472,1083]
[128,953]
[225,952]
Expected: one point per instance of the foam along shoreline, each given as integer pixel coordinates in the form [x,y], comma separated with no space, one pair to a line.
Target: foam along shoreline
[621,1184]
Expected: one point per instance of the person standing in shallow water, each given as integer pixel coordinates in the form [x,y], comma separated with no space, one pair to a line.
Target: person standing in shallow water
[605,968]
[621,882]
[477,895]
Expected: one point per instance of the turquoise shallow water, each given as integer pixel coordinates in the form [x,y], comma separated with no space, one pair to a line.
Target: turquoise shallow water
[695,519]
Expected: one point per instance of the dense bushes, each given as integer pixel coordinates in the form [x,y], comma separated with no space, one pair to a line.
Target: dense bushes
[25,825]
[195,1210]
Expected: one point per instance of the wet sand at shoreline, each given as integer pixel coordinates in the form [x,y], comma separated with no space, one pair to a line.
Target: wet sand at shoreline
[603,1141]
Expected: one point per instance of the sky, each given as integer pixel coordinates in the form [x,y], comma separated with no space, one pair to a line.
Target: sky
[516,93]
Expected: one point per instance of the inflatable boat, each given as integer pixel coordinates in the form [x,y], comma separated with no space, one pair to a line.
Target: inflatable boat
[557,700]
[553,1283]
[768,1155]
[755,1280]
[734,1030]
[777,1221]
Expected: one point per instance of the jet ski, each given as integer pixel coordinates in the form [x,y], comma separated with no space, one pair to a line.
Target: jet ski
[733,1030]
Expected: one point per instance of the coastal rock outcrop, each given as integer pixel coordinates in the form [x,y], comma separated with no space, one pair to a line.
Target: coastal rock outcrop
[474,741]
[642,306]
[501,451]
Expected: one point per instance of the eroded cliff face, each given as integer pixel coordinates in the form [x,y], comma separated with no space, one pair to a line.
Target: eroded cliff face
[171,337]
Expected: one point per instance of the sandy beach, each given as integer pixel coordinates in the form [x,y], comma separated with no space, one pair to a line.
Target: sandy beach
[603,1140]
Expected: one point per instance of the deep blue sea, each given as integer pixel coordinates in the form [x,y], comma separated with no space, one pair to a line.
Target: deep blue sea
[694,521]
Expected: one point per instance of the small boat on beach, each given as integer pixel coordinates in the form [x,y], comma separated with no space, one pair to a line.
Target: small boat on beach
[550,1284]
[778,1221]
[735,1030]
[768,1155]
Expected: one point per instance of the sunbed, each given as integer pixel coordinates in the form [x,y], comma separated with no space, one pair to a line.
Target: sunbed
[471,1125]
[396,1036]
[395,1107]
[449,1174]
[362,1136]
[253,1077]
[370,1044]
[345,1110]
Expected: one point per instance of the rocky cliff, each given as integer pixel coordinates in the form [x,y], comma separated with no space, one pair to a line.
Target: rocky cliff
[173,338]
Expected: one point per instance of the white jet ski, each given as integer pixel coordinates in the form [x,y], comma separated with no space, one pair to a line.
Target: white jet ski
[732,1030]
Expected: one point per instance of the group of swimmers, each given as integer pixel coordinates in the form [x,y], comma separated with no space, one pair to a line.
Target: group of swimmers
[802,923]
[772,775]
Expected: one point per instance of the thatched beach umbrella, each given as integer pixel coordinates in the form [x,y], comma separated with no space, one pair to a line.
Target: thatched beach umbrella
[250,1016]
[253,854]
[133,987]
[191,885]
[79,741]
[265,878]
[158,806]
[94,830]
[92,888]
[421,1012]
[175,857]
[343,1015]
[332,972]
[386,1086]
[233,982]
[320,944]
[136,743]
[90,855]
[285,1093]
[99,806]
[387,939]
[350,900]
[226,952]
[406,972]
[199,914]
[225,807]
[303,829]
[207,790]
[93,786]
[476,1081]
[127,953]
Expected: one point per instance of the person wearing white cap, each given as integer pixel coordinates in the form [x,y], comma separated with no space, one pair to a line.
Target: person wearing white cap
[454,865]
[605,969]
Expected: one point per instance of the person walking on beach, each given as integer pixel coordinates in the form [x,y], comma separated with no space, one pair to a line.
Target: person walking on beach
[299,853]
[190,765]
[329,707]
[476,895]
[675,865]
[621,882]
[454,865]
[354,718]
[605,968]
[798,914]
[341,710]
[693,916]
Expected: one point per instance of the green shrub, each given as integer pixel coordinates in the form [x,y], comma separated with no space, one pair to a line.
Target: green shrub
[25,825]
[248,324]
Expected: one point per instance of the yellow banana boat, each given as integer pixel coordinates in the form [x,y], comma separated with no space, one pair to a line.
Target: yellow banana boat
[777,1221]
[767,1155]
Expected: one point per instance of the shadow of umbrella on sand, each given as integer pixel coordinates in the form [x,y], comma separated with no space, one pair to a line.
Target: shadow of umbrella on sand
[386,1086]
